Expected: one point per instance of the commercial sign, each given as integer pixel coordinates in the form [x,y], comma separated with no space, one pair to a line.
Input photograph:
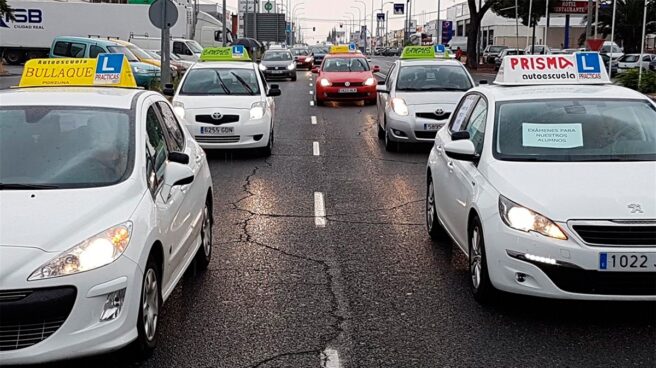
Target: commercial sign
[380,16]
[447,31]
[23,19]
[399,9]
[570,7]
[579,68]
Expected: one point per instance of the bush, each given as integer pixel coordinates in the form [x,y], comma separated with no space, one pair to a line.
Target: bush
[629,79]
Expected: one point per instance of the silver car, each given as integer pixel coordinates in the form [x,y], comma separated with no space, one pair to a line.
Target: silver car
[417,99]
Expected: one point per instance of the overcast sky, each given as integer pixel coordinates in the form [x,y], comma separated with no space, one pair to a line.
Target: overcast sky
[326,14]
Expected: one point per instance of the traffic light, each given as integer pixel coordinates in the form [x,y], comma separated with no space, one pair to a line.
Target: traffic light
[341,25]
[314,29]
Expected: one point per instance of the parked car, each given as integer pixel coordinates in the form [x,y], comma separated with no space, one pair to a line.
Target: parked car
[181,64]
[606,60]
[379,51]
[652,65]
[491,52]
[631,61]
[393,51]
[611,49]
[499,59]
[537,50]
[83,47]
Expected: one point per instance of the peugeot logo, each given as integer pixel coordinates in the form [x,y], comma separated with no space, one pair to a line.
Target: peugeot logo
[439,112]
[635,208]
[347,84]
[217,116]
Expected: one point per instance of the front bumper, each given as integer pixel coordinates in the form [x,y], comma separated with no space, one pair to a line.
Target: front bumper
[412,129]
[251,134]
[279,73]
[146,80]
[575,274]
[81,333]
[331,93]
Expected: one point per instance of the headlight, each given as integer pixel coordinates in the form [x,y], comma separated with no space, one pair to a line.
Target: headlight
[325,83]
[370,82]
[399,106]
[308,59]
[257,110]
[524,219]
[97,251]
[137,69]
[262,67]
[291,66]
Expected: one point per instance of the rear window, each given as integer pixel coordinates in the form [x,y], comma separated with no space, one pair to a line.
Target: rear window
[345,65]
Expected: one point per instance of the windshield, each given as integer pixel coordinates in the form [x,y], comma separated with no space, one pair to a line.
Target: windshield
[607,48]
[123,50]
[301,52]
[220,81]
[355,64]
[497,48]
[579,130]
[319,50]
[433,78]
[512,52]
[141,54]
[194,46]
[277,56]
[64,147]
[629,58]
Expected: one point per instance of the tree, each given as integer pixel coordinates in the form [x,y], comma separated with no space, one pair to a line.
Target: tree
[628,22]
[506,9]
[476,15]
[5,9]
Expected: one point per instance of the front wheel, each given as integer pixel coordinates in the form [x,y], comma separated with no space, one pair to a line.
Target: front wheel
[266,151]
[390,145]
[381,130]
[435,229]
[204,254]
[481,286]
[294,78]
[149,305]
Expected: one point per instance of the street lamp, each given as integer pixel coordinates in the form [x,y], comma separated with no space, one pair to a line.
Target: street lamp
[365,20]
[351,24]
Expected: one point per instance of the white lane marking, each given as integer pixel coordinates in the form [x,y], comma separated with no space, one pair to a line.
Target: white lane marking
[319,210]
[311,92]
[330,359]
[311,103]
[313,119]
[310,84]
[315,148]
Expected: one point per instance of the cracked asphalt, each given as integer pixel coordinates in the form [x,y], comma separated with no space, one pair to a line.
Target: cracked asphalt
[370,288]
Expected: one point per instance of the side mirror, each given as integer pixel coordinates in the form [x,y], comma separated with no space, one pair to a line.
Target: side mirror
[274,91]
[381,82]
[462,150]
[168,90]
[376,69]
[460,135]
[382,89]
[178,174]
[482,81]
[179,157]
[315,70]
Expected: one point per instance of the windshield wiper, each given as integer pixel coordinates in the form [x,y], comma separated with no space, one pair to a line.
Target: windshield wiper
[225,89]
[243,83]
[26,186]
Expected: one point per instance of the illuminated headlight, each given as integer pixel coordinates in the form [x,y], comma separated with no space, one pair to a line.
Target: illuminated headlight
[97,251]
[291,66]
[399,106]
[257,110]
[524,219]
[308,59]
[262,67]
[370,82]
[325,83]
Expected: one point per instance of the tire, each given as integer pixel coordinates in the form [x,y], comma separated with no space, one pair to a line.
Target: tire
[149,303]
[390,146]
[14,57]
[433,226]
[266,151]
[381,130]
[481,286]
[204,254]
[317,102]
[294,78]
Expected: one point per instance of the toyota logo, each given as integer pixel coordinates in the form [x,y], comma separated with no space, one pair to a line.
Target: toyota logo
[217,116]
[347,84]
[439,112]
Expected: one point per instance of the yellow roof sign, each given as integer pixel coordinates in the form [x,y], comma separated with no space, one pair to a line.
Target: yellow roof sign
[340,49]
[111,70]
[232,53]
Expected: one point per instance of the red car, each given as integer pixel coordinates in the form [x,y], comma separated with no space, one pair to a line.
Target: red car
[303,58]
[345,77]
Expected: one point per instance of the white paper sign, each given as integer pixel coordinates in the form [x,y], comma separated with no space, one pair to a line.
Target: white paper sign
[552,135]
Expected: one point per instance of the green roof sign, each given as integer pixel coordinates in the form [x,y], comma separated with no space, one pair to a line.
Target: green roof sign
[233,53]
[418,52]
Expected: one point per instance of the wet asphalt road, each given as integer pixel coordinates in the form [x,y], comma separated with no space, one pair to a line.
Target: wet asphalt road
[370,289]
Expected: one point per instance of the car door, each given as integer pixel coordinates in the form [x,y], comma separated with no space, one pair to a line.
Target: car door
[445,183]
[384,98]
[187,223]
[464,174]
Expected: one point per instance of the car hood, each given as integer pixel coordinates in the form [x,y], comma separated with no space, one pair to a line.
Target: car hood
[206,102]
[347,76]
[430,98]
[56,220]
[277,63]
[578,190]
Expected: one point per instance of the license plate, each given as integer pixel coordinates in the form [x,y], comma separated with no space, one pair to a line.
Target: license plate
[276,72]
[348,90]
[627,262]
[431,126]
[217,130]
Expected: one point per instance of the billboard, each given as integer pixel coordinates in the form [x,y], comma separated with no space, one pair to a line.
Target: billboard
[447,31]
[570,7]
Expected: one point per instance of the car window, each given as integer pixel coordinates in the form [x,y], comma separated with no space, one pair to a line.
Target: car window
[476,125]
[173,131]
[69,49]
[461,114]
[388,79]
[156,150]
[95,50]
[351,64]
[61,48]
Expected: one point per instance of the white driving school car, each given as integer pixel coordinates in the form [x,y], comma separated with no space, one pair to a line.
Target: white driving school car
[418,96]
[226,101]
[546,181]
[106,200]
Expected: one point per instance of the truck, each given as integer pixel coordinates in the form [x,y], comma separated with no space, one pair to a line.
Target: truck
[37,22]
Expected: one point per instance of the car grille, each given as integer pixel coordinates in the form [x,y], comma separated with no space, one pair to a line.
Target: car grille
[217,139]
[433,116]
[348,96]
[276,68]
[28,317]
[618,234]
[225,119]
[351,84]
[576,280]
[425,135]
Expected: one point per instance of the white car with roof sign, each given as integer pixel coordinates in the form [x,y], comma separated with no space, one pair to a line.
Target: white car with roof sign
[106,200]
[546,182]
[418,96]
[227,102]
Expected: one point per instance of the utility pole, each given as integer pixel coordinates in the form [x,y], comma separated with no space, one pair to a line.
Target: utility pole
[438,29]
[588,25]
[225,25]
